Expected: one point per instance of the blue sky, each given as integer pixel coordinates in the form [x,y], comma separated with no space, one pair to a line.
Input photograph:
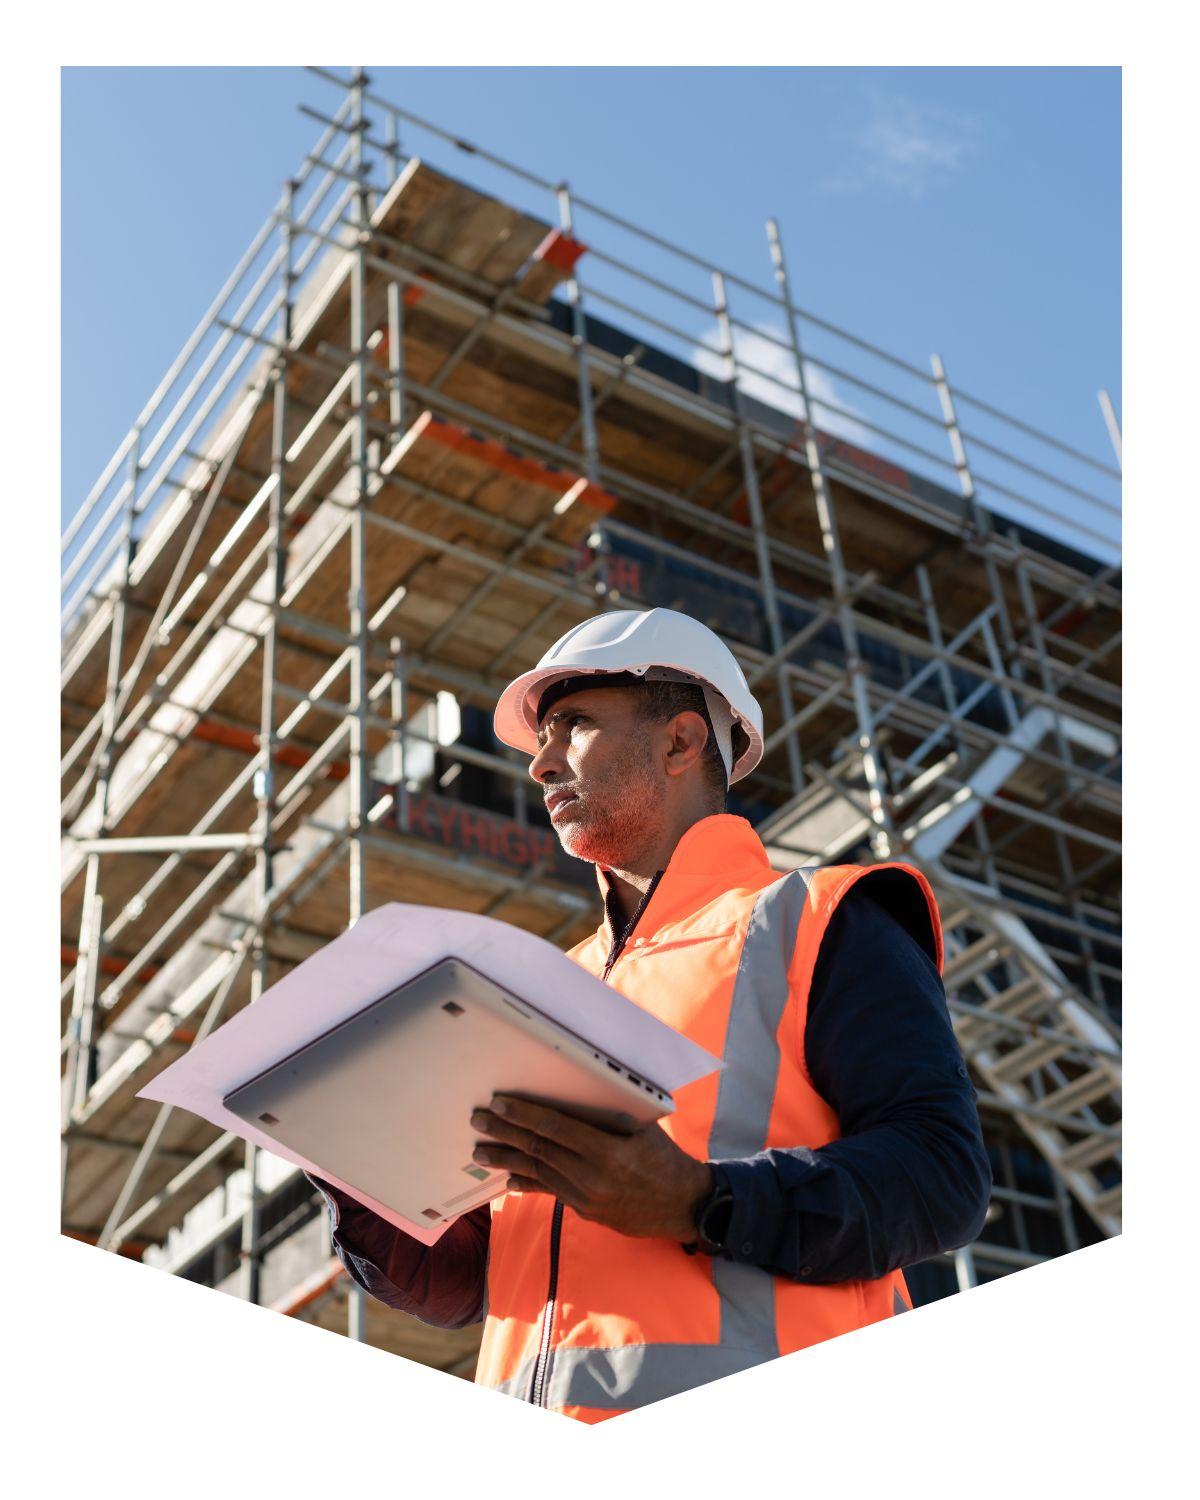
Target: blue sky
[971,211]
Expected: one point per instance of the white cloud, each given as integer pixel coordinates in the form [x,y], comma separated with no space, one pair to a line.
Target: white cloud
[905,146]
[777,384]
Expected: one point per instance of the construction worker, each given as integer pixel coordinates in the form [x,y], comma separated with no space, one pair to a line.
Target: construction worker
[775,1207]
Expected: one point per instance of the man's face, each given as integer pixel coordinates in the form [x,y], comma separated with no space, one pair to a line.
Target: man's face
[599,777]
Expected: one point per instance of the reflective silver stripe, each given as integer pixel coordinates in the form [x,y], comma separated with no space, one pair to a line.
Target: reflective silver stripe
[746,1093]
[898,1303]
[747,1307]
[632,1374]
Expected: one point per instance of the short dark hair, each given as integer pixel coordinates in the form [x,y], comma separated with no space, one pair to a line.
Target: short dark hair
[658,701]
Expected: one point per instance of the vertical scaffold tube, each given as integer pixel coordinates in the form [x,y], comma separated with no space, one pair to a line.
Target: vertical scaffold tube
[980,519]
[762,546]
[587,415]
[360,450]
[83,1002]
[831,543]
[264,779]
[360,443]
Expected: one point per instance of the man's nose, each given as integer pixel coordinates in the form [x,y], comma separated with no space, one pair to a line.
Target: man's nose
[547,763]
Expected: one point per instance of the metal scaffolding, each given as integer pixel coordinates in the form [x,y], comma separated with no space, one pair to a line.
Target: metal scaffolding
[403,451]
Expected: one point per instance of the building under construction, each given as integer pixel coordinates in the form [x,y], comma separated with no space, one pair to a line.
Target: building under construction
[431,421]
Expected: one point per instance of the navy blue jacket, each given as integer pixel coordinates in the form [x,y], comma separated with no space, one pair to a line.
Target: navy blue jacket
[908,1178]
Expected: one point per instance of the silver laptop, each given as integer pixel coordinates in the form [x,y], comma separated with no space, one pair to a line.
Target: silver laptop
[383,1100]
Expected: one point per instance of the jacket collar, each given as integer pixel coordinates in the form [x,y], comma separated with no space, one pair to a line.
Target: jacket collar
[716,854]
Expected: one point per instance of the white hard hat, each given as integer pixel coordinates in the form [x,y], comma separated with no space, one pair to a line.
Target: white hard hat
[648,643]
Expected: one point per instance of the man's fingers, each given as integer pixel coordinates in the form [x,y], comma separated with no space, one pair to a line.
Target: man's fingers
[542,1147]
[518,1184]
[516,1160]
[565,1130]
[509,1158]
[537,1171]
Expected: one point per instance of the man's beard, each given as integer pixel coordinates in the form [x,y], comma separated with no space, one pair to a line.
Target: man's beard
[615,816]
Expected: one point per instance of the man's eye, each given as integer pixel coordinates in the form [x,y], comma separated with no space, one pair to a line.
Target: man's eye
[567,721]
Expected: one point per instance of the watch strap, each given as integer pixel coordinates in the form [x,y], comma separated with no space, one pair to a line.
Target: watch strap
[712,1219]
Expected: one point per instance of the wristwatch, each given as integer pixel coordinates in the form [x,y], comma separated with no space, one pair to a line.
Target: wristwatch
[712,1220]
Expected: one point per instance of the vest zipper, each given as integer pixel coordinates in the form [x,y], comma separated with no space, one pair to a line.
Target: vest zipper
[537,1388]
[537,1392]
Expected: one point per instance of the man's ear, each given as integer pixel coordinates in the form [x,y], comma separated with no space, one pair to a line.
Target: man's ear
[688,737]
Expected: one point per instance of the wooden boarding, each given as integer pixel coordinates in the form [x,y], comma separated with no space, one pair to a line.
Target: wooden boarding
[462,227]
[499,382]
[415,192]
[551,264]
[501,480]
[97,1172]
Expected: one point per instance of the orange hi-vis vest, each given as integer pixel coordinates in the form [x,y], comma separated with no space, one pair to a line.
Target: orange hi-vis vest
[591,1323]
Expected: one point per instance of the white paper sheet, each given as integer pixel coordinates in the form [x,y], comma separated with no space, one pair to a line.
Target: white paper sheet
[386,947]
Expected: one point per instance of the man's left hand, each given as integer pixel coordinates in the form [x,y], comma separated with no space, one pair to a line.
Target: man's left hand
[640,1184]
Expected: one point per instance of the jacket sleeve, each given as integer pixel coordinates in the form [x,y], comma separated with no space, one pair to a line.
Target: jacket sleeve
[910,1176]
[443,1284]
